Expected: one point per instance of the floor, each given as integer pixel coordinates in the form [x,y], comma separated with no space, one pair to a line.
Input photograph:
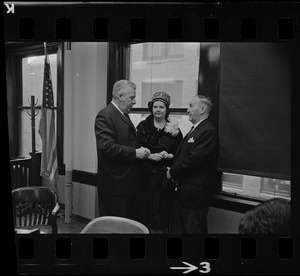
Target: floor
[74,227]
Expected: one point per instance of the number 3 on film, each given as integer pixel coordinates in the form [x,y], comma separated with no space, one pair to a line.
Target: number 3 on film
[205,266]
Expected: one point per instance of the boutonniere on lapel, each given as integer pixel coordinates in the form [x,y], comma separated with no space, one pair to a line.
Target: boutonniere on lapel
[191,140]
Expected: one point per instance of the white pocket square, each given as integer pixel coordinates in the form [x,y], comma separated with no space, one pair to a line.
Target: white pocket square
[191,140]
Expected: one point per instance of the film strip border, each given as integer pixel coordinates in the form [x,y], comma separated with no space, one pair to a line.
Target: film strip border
[158,254]
[155,254]
[152,22]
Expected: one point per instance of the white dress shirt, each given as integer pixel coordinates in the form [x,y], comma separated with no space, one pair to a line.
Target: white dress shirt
[195,125]
[118,108]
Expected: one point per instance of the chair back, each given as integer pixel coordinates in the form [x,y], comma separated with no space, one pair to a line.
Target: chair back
[35,205]
[114,225]
[20,173]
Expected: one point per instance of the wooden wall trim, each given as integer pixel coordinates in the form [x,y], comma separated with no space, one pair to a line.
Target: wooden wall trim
[83,177]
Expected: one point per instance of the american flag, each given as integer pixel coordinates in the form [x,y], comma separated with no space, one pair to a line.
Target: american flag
[49,166]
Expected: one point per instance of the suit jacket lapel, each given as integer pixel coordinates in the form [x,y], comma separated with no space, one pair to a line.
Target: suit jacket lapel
[185,139]
[125,119]
[181,145]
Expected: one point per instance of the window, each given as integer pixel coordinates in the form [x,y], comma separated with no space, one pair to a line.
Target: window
[24,76]
[176,77]
[32,84]
[254,186]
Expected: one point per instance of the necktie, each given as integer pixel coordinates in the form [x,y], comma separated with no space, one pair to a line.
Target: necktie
[191,130]
[127,116]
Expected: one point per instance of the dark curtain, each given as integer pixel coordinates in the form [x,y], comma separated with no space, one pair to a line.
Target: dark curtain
[255,109]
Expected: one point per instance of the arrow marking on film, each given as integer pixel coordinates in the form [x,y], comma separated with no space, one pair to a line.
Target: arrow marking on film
[189,267]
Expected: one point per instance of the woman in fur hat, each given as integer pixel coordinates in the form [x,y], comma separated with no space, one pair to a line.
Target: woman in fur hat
[162,136]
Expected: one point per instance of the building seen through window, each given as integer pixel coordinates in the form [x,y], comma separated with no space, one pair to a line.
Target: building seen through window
[254,186]
[169,67]
[162,51]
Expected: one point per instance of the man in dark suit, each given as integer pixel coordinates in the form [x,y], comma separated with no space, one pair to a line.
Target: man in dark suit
[194,168]
[118,154]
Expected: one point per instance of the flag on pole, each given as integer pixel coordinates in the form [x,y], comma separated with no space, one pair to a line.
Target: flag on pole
[49,167]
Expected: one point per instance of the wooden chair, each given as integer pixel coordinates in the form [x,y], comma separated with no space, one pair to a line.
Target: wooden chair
[20,173]
[37,207]
[114,225]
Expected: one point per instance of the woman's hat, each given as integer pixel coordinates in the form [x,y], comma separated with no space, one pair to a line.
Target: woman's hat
[161,96]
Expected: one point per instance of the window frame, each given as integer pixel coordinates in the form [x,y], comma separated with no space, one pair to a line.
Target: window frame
[15,52]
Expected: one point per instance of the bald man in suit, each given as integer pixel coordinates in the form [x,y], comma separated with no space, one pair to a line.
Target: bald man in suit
[118,153]
[195,167]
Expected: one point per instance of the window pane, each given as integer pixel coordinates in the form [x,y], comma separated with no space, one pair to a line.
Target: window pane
[169,67]
[275,187]
[254,186]
[33,76]
[232,181]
